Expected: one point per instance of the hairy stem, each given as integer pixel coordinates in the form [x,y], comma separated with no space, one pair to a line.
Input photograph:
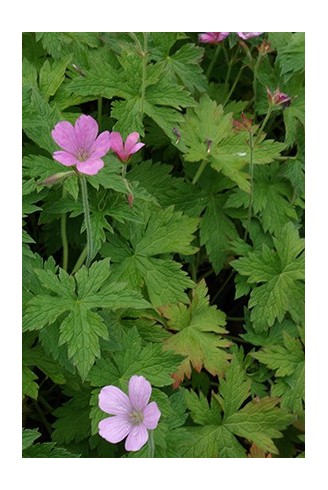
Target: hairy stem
[151,445]
[234,85]
[256,66]
[144,70]
[87,219]
[213,61]
[63,234]
[80,260]
[251,175]
[199,172]
[264,122]
[99,112]
[217,294]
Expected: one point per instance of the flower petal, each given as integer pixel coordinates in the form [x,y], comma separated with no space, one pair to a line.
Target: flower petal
[212,37]
[101,146]
[116,142]
[90,167]
[112,400]
[248,35]
[64,135]
[65,158]
[114,429]
[137,438]
[139,392]
[136,148]
[86,130]
[151,416]
[131,140]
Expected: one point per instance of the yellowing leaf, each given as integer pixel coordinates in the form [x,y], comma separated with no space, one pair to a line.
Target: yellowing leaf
[199,329]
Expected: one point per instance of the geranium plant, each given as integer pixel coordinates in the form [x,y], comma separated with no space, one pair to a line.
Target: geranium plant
[163,245]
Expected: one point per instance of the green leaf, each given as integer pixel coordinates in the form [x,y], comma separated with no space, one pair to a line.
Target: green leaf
[47,450]
[201,412]
[171,232]
[291,56]
[288,362]
[161,97]
[260,421]
[284,359]
[234,388]
[281,273]
[163,231]
[29,436]
[271,199]
[72,422]
[76,297]
[203,124]
[133,358]
[184,65]
[216,232]
[198,335]
[52,75]
[30,387]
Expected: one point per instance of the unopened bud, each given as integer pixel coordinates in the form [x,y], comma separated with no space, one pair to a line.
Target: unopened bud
[278,98]
[177,134]
[208,143]
[54,179]
[244,125]
[264,48]
[130,199]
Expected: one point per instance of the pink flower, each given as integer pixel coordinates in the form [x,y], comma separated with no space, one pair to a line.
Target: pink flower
[124,151]
[212,37]
[132,415]
[80,144]
[278,98]
[248,35]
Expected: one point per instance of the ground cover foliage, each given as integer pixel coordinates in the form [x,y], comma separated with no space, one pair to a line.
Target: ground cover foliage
[196,274]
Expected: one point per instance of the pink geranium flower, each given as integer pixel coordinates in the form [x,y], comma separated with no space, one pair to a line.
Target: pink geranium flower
[212,37]
[125,150]
[80,144]
[248,35]
[132,415]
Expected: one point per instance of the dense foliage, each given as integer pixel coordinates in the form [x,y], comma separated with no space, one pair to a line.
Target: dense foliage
[196,274]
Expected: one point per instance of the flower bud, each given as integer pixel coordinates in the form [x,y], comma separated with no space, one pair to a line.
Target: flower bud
[278,98]
[54,179]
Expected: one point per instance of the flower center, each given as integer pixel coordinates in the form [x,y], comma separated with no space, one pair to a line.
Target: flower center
[82,155]
[136,417]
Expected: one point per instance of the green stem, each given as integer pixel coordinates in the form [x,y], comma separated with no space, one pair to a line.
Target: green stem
[151,445]
[99,114]
[235,318]
[42,417]
[87,219]
[264,122]
[256,66]
[234,85]
[223,286]
[199,172]
[236,339]
[144,69]
[251,174]
[213,61]
[63,233]
[80,260]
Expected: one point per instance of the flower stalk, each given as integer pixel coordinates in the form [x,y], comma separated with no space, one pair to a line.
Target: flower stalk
[87,219]
[63,233]
[199,172]
[151,445]
[251,174]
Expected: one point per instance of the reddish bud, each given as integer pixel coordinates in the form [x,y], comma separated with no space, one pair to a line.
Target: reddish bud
[278,98]
[244,125]
[130,199]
